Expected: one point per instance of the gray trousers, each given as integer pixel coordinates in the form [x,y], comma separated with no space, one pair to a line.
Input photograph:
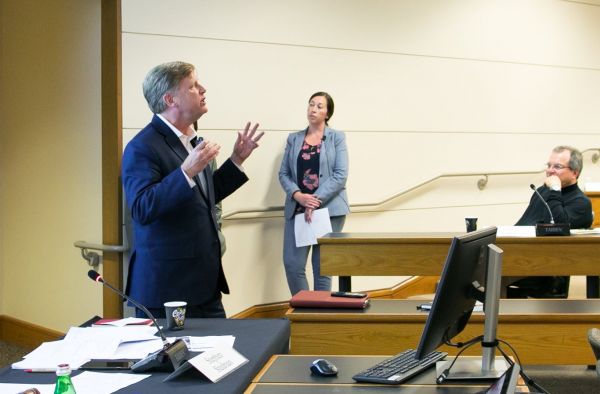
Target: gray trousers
[294,259]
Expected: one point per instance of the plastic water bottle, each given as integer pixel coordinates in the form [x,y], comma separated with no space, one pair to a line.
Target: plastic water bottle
[64,385]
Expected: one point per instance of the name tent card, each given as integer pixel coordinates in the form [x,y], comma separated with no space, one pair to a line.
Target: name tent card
[217,363]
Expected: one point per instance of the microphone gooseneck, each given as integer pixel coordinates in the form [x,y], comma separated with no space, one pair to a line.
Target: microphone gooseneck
[532,186]
[95,276]
[170,357]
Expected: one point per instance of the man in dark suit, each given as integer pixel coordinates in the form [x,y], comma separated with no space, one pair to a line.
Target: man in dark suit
[172,191]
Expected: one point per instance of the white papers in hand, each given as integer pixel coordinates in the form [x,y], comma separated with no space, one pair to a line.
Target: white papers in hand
[307,233]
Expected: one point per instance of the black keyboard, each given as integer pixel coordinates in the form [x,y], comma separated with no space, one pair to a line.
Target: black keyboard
[399,368]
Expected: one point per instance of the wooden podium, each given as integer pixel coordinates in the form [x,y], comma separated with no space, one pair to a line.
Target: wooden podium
[416,254]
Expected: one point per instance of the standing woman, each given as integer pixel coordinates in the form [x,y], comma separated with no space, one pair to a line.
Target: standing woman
[313,175]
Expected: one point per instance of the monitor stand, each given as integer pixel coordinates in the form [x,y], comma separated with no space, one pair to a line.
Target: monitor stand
[488,366]
[471,368]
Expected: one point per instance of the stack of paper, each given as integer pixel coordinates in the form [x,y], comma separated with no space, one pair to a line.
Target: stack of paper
[130,343]
[83,344]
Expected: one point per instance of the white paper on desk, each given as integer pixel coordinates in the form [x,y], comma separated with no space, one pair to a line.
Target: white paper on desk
[120,334]
[217,363]
[96,342]
[124,322]
[83,344]
[49,354]
[516,231]
[307,233]
[592,186]
[117,342]
[104,383]
[136,349]
[200,344]
[85,383]
[585,231]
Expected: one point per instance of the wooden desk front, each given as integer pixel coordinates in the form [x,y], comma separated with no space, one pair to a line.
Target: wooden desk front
[541,331]
[595,199]
[290,374]
[415,254]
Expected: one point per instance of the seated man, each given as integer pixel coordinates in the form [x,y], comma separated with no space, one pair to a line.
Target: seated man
[568,205]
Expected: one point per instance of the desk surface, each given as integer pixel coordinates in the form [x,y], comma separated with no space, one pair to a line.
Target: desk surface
[291,374]
[256,339]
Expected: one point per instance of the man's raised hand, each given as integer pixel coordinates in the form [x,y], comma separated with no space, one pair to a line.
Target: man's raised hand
[246,142]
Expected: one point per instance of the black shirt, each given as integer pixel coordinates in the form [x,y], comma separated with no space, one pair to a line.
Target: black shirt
[569,205]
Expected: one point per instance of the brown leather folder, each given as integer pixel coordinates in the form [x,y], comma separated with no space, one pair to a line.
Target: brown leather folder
[324,299]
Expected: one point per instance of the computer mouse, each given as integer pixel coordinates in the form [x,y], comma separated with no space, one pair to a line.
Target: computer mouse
[323,367]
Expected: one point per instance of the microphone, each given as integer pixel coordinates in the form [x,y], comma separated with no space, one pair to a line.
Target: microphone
[543,229]
[532,186]
[324,137]
[171,356]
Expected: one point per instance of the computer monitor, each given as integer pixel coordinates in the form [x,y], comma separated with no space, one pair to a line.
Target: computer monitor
[471,272]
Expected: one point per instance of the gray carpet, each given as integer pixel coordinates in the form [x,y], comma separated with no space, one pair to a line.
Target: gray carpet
[564,379]
[10,353]
[568,379]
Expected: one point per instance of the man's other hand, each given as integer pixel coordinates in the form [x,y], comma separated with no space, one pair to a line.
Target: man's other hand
[200,157]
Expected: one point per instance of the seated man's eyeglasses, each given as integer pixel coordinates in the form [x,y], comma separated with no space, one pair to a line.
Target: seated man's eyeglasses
[556,167]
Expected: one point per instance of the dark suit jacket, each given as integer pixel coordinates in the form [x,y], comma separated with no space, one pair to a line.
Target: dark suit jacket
[177,253]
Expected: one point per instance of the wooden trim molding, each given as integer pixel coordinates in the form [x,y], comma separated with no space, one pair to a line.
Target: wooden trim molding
[264,311]
[112,212]
[413,286]
[25,334]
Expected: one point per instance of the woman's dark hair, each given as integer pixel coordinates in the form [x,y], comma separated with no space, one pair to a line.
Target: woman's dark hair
[330,105]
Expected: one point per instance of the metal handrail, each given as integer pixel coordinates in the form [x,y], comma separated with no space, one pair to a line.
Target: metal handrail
[93,258]
[481,184]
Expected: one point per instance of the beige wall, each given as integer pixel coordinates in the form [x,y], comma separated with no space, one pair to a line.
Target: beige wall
[422,88]
[50,158]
